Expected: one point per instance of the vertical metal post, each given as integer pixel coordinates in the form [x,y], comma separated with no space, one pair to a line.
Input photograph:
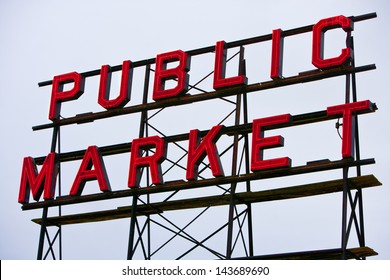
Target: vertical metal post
[248,183]
[133,219]
[45,209]
[233,186]
[356,145]
[344,234]
[59,194]
[234,165]
[42,233]
[130,250]
[362,241]
[144,133]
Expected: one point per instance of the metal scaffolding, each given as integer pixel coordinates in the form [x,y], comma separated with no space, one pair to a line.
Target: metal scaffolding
[238,228]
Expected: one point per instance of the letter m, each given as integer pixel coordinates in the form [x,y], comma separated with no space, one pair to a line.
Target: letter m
[44,181]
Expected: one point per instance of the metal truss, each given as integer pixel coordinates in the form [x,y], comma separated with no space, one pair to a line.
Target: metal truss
[349,201]
[240,218]
[144,214]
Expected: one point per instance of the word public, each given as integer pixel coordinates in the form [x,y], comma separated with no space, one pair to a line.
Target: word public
[92,166]
[180,73]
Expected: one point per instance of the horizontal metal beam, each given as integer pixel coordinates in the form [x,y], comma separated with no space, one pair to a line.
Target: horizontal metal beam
[185,185]
[329,254]
[233,44]
[243,129]
[306,190]
[305,77]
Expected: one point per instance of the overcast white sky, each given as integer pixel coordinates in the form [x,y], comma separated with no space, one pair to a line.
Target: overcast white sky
[40,39]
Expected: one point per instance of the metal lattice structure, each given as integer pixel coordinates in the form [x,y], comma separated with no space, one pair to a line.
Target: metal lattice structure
[233,193]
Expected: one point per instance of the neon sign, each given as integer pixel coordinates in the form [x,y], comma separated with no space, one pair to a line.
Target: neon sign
[92,166]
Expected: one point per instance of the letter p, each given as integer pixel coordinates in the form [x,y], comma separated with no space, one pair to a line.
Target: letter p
[58,95]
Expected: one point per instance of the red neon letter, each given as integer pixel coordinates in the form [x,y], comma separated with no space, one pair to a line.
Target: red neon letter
[220,69]
[105,84]
[198,150]
[92,157]
[259,143]
[277,54]
[58,95]
[346,111]
[44,182]
[319,30]
[137,161]
[162,74]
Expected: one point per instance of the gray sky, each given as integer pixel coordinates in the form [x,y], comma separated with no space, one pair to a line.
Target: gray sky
[40,39]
